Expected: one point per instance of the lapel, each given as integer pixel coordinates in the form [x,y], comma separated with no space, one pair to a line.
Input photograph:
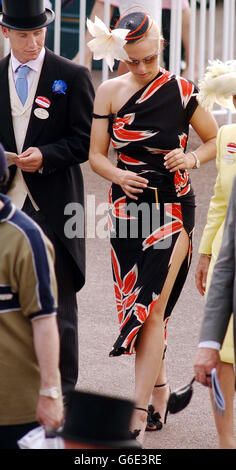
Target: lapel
[5,108]
[46,79]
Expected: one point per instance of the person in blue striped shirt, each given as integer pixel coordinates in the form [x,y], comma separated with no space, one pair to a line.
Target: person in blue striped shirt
[30,391]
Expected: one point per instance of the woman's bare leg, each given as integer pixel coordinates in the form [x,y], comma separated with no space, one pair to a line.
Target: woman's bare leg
[97,10]
[150,342]
[225,423]
[186,14]
[160,395]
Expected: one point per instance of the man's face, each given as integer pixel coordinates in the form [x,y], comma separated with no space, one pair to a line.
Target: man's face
[25,45]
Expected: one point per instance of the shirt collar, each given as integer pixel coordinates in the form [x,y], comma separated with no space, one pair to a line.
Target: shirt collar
[33,64]
[8,210]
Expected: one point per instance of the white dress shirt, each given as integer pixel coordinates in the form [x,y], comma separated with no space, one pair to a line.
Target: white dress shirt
[33,64]
[20,119]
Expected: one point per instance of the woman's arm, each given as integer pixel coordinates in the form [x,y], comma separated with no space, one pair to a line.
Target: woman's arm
[129,181]
[206,127]
[215,217]
[217,208]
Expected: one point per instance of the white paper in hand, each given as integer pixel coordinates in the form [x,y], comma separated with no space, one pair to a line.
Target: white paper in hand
[218,396]
[10,158]
[36,439]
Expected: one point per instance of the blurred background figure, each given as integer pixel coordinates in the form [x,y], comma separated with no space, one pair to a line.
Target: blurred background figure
[151,6]
[166,25]
[97,10]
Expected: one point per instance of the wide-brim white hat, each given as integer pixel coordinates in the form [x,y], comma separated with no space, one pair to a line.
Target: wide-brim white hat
[218,85]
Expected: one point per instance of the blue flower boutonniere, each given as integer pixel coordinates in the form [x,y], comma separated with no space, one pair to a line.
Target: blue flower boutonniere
[59,87]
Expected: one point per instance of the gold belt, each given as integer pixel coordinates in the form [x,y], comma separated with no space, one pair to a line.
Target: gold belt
[156,195]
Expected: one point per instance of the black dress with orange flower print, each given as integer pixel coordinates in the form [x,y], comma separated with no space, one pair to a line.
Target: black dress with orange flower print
[143,233]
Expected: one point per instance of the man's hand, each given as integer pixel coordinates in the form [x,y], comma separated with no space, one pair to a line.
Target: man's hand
[206,359]
[30,160]
[49,412]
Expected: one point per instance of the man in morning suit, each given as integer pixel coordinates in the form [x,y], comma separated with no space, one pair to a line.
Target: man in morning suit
[45,114]
[221,301]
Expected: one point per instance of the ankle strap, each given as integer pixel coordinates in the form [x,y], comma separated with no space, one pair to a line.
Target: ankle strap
[161,385]
[142,409]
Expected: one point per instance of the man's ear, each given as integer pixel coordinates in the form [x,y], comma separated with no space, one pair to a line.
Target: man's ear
[5,32]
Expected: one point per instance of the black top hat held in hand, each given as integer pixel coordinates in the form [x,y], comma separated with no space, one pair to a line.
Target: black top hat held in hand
[98,420]
[180,398]
[25,15]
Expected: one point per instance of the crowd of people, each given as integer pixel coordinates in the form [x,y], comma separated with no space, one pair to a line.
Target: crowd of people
[52,122]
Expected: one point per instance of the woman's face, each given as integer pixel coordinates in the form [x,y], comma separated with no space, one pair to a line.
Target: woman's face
[143,57]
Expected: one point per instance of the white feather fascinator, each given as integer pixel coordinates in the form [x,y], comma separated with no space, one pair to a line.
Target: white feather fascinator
[218,85]
[107,44]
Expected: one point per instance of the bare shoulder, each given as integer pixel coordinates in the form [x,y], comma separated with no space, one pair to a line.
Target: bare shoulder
[109,94]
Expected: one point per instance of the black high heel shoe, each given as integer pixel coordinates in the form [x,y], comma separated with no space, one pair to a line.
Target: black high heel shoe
[154,418]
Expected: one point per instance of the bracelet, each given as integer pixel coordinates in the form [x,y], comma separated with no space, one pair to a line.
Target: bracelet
[197,161]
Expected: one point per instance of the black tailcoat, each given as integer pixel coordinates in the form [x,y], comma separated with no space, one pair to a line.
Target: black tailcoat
[63,139]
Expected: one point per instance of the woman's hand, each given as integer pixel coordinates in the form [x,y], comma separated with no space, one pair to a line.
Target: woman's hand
[130,182]
[178,160]
[201,273]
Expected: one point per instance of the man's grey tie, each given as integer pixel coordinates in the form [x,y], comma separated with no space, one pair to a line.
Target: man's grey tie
[21,83]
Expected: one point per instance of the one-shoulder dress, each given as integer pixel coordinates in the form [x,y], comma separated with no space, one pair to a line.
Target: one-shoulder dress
[154,121]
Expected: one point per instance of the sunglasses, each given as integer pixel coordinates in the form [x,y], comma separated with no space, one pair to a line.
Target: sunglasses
[146,60]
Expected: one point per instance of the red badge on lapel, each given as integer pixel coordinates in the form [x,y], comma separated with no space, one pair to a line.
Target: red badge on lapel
[43,102]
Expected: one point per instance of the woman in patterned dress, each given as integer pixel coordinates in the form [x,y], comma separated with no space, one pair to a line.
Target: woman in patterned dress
[145,114]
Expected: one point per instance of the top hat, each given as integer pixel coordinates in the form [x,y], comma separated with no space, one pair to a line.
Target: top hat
[3,163]
[180,398]
[98,420]
[25,15]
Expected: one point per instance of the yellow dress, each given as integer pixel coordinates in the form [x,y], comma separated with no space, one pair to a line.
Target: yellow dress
[213,231]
